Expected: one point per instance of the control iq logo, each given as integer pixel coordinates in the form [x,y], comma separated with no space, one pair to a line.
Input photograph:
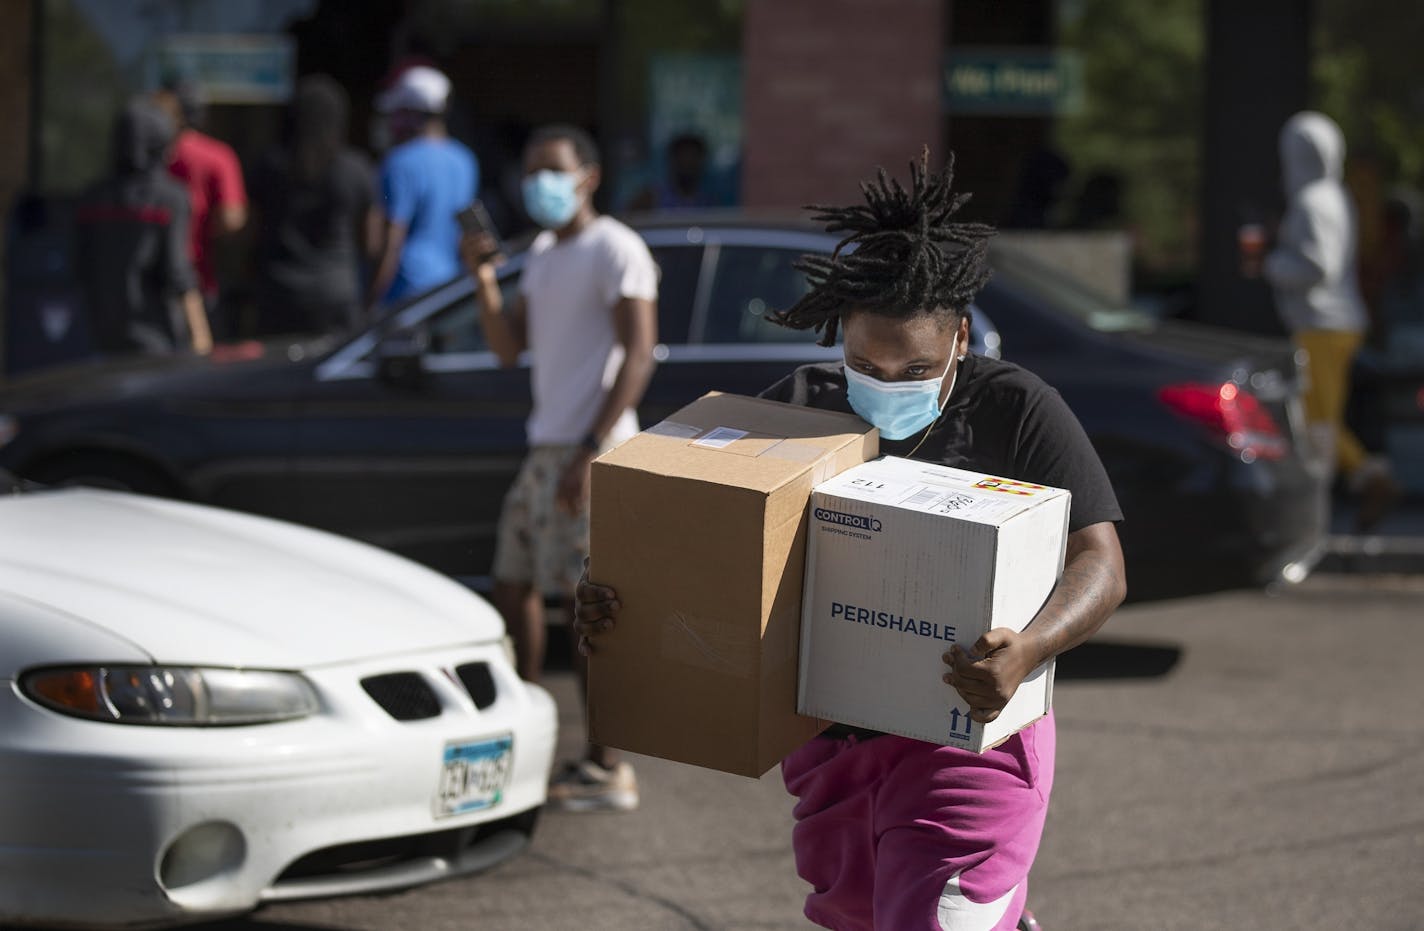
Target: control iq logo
[849,524]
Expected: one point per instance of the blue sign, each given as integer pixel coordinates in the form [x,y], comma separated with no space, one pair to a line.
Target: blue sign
[1012,82]
[238,68]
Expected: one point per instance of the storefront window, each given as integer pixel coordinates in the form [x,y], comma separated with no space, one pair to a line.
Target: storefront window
[1131,149]
[637,73]
[96,53]
[1365,75]
[679,75]
[441,24]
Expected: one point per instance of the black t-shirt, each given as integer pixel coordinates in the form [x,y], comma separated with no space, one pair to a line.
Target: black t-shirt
[309,237]
[1000,419]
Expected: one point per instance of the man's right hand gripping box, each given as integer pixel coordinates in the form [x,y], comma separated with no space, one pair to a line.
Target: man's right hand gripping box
[905,559]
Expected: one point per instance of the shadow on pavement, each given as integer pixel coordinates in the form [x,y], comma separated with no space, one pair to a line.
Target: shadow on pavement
[1115,660]
[257,924]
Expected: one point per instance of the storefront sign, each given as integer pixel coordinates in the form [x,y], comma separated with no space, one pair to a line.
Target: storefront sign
[1012,82]
[239,68]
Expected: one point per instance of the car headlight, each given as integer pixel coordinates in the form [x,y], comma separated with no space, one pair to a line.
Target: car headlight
[176,696]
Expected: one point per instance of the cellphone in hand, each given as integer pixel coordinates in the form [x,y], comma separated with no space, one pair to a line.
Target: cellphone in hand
[475,219]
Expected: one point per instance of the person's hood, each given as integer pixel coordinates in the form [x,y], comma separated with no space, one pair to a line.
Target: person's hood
[142,136]
[1312,148]
[317,124]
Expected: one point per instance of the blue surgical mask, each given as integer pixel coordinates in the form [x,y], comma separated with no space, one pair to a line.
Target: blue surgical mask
[898,408]
[551,197]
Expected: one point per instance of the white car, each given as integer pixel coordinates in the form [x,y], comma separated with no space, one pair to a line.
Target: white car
[202,711]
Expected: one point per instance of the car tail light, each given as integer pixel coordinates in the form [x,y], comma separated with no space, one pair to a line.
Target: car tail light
[1233,414]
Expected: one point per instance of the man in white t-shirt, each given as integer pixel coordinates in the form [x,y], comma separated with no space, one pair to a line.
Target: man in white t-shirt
[587,314]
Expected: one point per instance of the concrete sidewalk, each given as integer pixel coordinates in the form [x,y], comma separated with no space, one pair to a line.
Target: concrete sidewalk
[1396,545]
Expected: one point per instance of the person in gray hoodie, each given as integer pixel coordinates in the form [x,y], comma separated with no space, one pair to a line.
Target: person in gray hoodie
[1312,272]
[140,290]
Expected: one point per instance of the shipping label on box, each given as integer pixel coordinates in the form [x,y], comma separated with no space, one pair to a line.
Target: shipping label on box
[904,559]
[699,523]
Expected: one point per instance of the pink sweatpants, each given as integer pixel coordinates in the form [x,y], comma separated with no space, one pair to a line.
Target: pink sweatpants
[900,835]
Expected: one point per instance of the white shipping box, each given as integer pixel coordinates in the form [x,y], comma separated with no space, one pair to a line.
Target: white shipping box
[904,559]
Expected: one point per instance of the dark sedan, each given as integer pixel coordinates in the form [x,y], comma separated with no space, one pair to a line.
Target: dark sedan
[408,433]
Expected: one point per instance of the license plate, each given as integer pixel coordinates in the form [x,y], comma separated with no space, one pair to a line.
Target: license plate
[473,775]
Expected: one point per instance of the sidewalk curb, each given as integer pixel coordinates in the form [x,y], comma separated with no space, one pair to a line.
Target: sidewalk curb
[1372,554]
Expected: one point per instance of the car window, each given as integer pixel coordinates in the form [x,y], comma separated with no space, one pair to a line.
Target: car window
[749,282]
[457,328]
[678,269]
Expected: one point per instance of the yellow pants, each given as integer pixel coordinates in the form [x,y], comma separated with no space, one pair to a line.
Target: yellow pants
[1331,354]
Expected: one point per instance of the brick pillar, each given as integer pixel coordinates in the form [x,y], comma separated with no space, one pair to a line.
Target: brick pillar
[833,88]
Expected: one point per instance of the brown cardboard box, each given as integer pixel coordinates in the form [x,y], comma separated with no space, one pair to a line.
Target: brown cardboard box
[699,523]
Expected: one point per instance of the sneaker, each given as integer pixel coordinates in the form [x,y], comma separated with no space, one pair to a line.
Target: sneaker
[586,786]
[1028,923]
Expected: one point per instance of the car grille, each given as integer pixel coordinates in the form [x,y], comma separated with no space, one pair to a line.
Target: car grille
[405,696]
[478,682]
[365,857]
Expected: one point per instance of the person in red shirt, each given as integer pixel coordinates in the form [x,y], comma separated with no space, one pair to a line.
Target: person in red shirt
[210,170]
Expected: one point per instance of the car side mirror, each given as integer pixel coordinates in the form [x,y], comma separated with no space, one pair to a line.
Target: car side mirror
[400,358]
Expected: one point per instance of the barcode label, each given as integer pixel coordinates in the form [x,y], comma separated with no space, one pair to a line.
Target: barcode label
[922,498]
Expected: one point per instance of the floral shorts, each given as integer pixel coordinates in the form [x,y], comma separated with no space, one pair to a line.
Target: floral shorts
[539,543]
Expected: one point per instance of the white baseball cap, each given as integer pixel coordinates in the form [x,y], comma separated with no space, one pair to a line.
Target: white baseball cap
[419,88]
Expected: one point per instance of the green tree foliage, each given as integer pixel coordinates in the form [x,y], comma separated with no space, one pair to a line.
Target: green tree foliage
[1141,117]
[83,89]
[1366,75]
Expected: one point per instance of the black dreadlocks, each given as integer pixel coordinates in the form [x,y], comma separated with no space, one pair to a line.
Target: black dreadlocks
[908,259]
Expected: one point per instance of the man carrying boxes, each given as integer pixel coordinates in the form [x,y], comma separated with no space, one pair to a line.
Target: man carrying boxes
[891,831]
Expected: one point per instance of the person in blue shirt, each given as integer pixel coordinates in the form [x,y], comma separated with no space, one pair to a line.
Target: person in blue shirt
[425,180]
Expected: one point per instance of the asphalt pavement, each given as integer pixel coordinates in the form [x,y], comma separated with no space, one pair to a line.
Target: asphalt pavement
[1240,760]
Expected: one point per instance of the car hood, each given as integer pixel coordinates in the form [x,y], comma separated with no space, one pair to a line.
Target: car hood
[197,585]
